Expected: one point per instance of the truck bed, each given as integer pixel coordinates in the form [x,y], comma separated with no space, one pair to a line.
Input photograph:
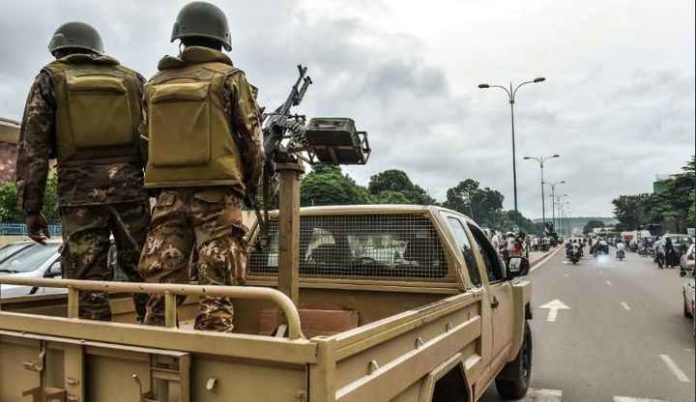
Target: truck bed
[399,333]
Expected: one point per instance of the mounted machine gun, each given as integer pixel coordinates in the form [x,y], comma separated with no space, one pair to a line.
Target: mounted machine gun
[289,142]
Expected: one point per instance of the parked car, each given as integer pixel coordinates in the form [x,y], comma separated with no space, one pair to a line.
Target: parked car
[688,293]
[30,260]
[686,262]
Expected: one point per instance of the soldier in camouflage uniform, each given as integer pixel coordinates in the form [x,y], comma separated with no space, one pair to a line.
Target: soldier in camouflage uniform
[84,110]
[205,156]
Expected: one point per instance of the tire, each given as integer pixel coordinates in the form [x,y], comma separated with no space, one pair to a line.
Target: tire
[517,388]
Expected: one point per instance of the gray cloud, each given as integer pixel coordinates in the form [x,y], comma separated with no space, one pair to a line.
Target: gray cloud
[619,108]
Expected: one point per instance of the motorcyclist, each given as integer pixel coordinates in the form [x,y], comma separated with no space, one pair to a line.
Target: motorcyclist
[620,250]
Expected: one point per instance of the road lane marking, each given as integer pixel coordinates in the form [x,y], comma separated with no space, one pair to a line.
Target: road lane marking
[608,283]
[553,307]
[566,275]
[674,368]
[543,395]
[625,306]
[631,399]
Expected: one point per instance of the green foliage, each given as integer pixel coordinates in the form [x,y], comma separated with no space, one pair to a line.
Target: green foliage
[8,202]
[395,187]
[591,225]
[327,185]
[674,205]
[482,205]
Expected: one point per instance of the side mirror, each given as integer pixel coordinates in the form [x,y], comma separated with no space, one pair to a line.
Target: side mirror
[682,273]
[517,266]
[54,271]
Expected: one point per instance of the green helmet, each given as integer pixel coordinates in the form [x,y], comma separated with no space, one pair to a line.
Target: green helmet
[76,35]
[201,19]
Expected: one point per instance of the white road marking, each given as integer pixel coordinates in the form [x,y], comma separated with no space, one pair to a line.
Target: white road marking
[553,307]
[631,399]
[608,283]
[625,306]
[674,368]
[566,275]
[543,395]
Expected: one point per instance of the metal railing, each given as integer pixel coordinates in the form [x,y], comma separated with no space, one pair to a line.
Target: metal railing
[20,229]
[170,291]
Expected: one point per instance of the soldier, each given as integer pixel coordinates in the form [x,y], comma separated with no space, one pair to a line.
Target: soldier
[205,156]
[84,109]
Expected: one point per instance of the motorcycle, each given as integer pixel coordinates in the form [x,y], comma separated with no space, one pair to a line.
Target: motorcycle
[620,251]
[573,254]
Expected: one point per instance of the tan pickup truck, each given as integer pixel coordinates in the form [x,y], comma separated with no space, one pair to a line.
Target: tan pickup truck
[396,303]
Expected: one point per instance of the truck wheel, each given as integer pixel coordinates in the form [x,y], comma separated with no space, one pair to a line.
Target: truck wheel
[517,388]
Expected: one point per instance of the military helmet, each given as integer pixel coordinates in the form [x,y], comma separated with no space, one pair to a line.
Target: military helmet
[76,35]
[201,19]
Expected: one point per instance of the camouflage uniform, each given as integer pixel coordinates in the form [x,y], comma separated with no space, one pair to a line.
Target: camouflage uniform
[206,221]
[95,199]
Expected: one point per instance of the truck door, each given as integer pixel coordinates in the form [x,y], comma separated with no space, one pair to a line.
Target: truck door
[500,299]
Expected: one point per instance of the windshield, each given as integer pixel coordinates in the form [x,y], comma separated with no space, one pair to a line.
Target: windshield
[28,259]
[10,249]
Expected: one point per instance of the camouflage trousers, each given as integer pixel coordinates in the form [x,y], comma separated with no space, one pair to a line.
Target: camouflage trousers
[202,222]
[87,248]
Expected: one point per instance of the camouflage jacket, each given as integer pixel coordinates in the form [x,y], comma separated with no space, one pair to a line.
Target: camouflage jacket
[78,184]
[244,116]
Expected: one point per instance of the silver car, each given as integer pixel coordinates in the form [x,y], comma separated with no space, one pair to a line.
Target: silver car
[29,260]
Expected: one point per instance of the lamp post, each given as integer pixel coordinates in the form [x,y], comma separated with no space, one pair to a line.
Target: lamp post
[562,210]
[541,160]
[553,185]
[511,93]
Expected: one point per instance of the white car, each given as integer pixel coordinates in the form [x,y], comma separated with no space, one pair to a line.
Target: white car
[686,262]
[29,260]
[688,292]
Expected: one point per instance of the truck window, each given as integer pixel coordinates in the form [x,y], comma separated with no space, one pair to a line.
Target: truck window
[465,247]
[494,269]
[401,246]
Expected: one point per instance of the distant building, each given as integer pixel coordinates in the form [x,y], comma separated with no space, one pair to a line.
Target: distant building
[660,183]
[9,135]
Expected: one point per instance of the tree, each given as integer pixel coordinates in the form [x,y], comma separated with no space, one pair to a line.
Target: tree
[327,185]
[591,225]
[481,205]
[384,185]
[629,210]
[8,201]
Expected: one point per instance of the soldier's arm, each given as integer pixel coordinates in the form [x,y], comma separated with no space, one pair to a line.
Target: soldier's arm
[245,119]
[36,144]
[142,128]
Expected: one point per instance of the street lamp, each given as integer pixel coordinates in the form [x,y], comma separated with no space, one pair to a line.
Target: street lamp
[541,160]
[553,185]
[511,98]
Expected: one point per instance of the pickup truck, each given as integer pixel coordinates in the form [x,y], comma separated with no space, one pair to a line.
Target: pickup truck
[396,303]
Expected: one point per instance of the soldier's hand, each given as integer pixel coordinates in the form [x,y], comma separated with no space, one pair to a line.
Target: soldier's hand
[37,227]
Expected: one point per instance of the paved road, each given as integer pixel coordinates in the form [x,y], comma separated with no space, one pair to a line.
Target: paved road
[623,338]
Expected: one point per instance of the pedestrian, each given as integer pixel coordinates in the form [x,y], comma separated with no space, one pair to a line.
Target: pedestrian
[205,155]
[83,110]
[671,257]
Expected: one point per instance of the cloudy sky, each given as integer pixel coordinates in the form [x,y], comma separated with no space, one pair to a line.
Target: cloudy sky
[618,103]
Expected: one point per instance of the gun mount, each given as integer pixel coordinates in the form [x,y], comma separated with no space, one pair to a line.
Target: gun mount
[289,142]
